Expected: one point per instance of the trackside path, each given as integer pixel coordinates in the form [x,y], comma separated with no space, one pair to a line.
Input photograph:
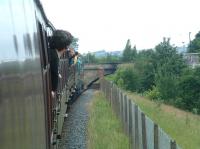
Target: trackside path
[75,125]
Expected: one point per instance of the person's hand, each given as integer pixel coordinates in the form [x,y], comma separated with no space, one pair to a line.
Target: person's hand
[53,94]
[60,76]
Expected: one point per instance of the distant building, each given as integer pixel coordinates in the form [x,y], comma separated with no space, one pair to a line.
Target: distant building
[182,49]
[192,59]
[116,53]
[103,53]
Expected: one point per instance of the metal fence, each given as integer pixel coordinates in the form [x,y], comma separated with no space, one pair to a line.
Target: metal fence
[143,133]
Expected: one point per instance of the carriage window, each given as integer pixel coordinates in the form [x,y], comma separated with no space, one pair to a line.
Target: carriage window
[43,45]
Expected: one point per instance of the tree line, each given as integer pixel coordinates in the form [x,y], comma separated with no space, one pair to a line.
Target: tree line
[162,74]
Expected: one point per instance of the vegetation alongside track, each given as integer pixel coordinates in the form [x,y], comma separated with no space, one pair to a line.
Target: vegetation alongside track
[182,126]
[104,129]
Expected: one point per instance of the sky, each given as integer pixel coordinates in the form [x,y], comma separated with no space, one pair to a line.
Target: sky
[108,24]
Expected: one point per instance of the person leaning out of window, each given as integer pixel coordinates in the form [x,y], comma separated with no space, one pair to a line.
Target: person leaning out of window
[58,44]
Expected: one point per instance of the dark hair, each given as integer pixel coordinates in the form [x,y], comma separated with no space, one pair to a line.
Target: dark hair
[61,39]
[76,53]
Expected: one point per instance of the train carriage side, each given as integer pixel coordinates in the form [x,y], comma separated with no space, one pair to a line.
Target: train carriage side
[23,86]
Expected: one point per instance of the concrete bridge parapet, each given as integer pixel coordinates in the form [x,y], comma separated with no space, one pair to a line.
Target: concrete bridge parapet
[94,71]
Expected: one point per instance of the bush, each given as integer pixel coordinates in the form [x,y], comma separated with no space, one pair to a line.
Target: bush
[127,78]
[166,82]
[189,92]
[153,94]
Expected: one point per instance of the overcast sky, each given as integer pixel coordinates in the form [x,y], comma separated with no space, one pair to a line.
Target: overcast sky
[107,24]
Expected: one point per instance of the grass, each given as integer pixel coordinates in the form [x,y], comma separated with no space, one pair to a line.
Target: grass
[104,129]
[180,125]
[110,77]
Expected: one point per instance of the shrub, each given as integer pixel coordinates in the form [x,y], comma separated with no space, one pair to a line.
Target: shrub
[127,77]
[153,94]
[189,92]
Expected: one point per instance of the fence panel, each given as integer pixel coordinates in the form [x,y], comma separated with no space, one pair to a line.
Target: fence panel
[140,129]
[164,140]
[123,110]
[121,105]
[130,122]
[134,126]
[118,103]
[150,133]
[127,115]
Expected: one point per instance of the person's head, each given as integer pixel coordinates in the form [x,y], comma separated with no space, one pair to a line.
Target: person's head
[60,40]
[76,53]
[71,51]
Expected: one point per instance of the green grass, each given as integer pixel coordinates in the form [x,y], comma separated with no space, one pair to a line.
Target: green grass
[182,126]
[104,129]
[110,77]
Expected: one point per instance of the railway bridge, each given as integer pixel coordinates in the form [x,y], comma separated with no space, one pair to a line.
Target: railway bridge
[92,72]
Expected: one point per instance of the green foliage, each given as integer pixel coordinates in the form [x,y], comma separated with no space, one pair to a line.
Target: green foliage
[194,46]
[189,91]
[110,77]
[89,58]
[108,59]
[162,74]
[129,53]
[168,68]
[167,56]
[127,77]
[167,86]
[153,94]
[75,44]
[144,65]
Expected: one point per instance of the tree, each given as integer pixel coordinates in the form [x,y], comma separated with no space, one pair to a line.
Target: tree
[168,68]
[167,56]
[129,53]
[127,77]
[194,46]
[75,44]
[189,94]
[146,69]
[89,58]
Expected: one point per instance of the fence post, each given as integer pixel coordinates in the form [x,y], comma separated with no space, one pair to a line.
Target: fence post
[136,128]
[125,111]
[121,106]
[130,123]
[118,103]
[156,136]
[144,138]
[106,90]
[106,87]
[111,95]
[100,85]
[114,98]
[172,144]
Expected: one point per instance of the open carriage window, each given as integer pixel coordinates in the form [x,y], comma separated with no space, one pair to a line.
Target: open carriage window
[44,44]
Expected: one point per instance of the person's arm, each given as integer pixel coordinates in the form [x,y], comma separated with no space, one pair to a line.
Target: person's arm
[54,71]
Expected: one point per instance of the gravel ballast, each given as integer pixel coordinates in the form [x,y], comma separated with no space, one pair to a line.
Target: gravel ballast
[74,133]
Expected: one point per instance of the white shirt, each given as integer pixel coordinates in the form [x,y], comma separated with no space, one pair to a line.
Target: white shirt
[58,53]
